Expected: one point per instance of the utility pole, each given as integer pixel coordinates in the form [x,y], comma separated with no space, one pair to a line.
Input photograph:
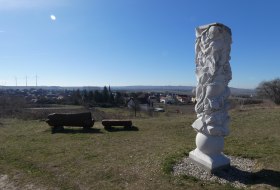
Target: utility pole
[36,80]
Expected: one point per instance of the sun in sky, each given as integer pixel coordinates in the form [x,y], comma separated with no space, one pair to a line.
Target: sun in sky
[53,18]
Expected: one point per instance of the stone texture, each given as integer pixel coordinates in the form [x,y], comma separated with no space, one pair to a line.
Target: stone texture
[213,73]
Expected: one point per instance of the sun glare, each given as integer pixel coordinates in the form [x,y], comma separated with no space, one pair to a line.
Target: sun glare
[53,17]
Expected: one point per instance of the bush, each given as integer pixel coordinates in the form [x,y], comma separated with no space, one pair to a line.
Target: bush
[270,90]
[250,101]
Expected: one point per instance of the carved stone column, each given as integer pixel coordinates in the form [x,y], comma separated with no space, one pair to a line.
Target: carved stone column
[213,73]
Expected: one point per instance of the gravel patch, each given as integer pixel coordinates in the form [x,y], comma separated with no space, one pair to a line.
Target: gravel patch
[238,174]
[5,184]
[8,184]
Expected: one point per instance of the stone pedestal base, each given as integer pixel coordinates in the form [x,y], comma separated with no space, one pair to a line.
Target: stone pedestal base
[208,153]
[211,163]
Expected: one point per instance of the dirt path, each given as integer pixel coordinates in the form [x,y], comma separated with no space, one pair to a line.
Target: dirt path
[5,184]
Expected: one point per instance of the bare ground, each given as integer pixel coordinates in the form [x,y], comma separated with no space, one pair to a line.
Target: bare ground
[8,184]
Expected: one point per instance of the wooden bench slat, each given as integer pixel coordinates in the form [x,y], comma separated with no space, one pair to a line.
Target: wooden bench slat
[73,119]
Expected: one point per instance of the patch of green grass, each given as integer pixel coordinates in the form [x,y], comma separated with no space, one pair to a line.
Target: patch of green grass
[255,134]
[170,161]
[140,159]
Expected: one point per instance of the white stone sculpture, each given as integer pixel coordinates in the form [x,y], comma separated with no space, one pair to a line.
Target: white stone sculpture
[213,73]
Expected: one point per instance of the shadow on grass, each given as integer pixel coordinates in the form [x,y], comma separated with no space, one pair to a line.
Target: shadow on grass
[264,176]
[118,129]
[75,131]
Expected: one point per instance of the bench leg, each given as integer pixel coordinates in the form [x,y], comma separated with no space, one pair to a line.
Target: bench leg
[107,127]
[127,127]
[57,128]
[86,128]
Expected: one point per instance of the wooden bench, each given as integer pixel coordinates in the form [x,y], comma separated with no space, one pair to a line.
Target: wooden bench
[58,120]
[108,123]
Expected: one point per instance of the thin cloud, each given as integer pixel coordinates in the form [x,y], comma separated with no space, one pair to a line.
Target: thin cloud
[29,4]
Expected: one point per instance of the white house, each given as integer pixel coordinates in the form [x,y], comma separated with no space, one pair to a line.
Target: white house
[167,99]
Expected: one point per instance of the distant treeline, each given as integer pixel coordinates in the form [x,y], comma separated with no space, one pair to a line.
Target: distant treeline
[103,98]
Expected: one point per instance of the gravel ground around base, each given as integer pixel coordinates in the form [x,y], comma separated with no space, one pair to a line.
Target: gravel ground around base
[238,174]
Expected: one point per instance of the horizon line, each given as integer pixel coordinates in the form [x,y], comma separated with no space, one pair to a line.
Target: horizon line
[112,86]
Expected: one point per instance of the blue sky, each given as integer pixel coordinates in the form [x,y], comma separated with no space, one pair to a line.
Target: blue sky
[131,42]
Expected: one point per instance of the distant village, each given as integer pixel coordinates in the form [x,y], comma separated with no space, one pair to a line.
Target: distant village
[146,99]
[90,98]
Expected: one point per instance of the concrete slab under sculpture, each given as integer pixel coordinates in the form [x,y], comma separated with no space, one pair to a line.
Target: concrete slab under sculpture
[213,73]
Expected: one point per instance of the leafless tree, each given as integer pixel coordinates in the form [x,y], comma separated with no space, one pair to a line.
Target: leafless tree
[270,90]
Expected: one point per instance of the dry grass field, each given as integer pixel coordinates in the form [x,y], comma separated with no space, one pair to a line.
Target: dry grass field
[33,158]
